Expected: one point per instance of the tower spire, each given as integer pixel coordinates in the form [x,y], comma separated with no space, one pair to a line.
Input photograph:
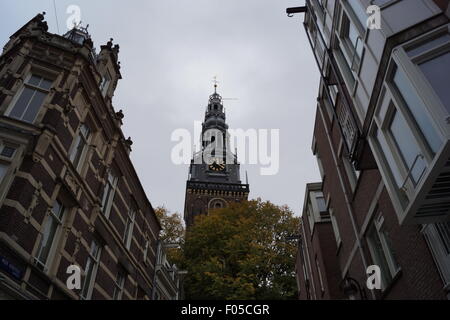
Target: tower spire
[215,84]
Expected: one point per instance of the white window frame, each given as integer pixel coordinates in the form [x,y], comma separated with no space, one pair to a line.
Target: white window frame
[350,50]
[95,251]
[335,226]
[108,197]
[389,103]
[441,254]
[318,159]
[105,83]
[432,101]
[129,228]
[83,136]
[393,266]
[51,216]
[352,174]
[119,285]
[19,93]
[8,162]
[310,214]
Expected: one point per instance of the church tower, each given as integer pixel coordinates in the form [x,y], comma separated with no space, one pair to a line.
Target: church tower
[214,174]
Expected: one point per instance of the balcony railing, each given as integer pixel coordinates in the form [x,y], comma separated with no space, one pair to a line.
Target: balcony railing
[343,108]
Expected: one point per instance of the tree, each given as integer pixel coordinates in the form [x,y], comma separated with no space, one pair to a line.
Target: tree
[172,226]
[241,252]
[172,232]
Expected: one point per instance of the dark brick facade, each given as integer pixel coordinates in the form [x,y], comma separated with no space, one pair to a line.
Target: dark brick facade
[42,172]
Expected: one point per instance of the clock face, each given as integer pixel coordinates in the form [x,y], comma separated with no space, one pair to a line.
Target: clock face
[217,165]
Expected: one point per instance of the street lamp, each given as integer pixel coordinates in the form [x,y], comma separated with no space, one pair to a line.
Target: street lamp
[352,288]
[290,11]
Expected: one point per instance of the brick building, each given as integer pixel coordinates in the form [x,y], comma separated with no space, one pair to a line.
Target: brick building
[168,279]
[69,194]
[381,139]
[317,275]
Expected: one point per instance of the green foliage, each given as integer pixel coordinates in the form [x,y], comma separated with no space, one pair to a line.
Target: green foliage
[172,226]
[241,252]
[172,232]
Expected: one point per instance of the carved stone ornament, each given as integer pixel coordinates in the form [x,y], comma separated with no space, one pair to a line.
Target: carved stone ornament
[71,183]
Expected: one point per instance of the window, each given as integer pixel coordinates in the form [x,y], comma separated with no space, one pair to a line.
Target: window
[408,147]
[316,37]
[104,85]
[436,72]
[414,104]
[310,213]
[118,286]
[318,159]
[335,226]
[91,270]
[388,157]
[359,12]
[435,41]
[352,42]
[350,170]
[305,263]
[3,170]
[108,193]
[30,98]
[381,251]
[129,226]
[380,3]
[438,238]
[320,166]
[7,152]
[6,156]
[408,139]
[321,204]
[322,287]
[50,233]
[79,150]
[217,204]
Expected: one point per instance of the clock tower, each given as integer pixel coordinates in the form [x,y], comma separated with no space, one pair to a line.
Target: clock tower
[214,178]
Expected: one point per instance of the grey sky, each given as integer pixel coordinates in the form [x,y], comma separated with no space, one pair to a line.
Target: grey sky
[170,51]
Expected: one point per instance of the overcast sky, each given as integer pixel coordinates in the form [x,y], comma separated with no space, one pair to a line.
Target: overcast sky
[170,52]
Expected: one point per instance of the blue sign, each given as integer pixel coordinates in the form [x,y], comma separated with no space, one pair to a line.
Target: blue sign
[10,268]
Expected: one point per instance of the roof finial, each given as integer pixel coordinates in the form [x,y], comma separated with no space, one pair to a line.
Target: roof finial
[215,84]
